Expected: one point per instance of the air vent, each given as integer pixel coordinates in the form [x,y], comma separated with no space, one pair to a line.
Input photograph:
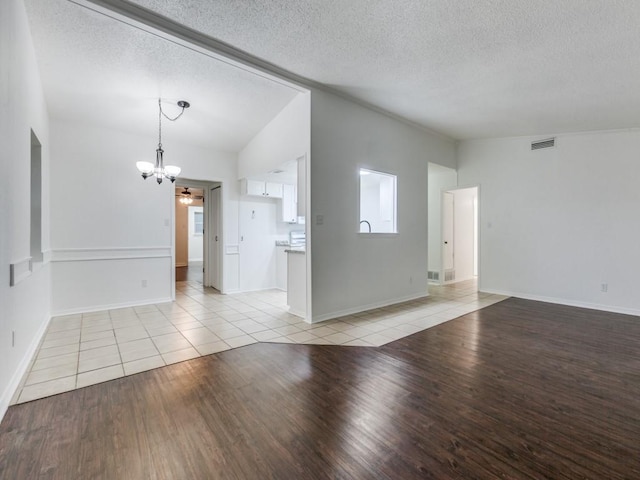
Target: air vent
[548,143]
[431,275]
[449,275]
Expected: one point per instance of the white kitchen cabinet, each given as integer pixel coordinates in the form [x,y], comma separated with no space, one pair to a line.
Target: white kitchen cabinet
[273,190]
[261,189]
[253,187]
[289,204]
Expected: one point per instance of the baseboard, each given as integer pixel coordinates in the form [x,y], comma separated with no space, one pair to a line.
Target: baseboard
[23,367]
[113,306]
[256,290]
[297,313]
[364,308]
[563,301]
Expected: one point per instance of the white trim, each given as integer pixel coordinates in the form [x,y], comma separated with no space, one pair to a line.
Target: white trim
[111,306]
[113,253]
[478,228]
[22,369]
[563,301]
[297,313]
[19,270]
[256,290]
[364,308]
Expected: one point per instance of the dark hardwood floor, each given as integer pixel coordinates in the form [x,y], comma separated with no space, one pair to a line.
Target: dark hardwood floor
[191,273]
[520,389]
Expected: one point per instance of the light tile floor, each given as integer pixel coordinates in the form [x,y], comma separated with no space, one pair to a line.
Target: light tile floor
[85,349]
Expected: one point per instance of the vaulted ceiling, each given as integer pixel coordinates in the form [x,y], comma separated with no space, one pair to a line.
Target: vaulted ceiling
[464,68]
[102,71]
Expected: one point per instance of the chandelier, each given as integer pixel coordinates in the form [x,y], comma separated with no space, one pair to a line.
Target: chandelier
[159,170]
[185,197]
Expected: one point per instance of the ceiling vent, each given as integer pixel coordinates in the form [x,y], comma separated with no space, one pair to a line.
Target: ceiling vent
[548,143]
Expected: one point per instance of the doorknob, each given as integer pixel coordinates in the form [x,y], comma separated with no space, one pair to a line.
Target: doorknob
[446,243]
[216,238]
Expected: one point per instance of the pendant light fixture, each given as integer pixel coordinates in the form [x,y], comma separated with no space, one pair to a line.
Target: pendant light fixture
[185,197]
[159,170]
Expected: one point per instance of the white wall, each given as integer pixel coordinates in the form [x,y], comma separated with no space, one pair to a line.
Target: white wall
[260,227]
[258,235]
[24,308]
[439,178]
[557,223]
[103,212]
[463,221]
[353,272]
[284,139]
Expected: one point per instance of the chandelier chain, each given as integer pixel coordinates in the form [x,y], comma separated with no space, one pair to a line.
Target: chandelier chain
[162,114]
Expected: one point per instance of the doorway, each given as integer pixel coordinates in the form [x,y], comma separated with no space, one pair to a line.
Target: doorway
[189,234]
[459,234]
[197,233]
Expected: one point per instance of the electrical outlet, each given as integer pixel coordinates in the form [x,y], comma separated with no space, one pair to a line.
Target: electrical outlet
[144,283]
[319,219]
[411,279]
[604,287]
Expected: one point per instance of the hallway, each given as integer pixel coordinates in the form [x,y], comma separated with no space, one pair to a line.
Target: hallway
[192,273]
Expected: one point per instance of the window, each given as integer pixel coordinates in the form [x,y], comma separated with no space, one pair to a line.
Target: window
[378,204]
[198,222]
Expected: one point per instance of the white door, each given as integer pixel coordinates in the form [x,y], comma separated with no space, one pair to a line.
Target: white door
[447,231]
[212,253]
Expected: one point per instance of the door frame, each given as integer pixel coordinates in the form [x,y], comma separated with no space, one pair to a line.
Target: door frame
[212,246]
[478,231]
[206,186]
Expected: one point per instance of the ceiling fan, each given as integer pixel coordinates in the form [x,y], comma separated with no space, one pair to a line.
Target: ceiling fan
[186,198]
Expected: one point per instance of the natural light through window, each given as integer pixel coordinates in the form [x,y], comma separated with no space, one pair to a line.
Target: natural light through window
[198,220]
[378,203]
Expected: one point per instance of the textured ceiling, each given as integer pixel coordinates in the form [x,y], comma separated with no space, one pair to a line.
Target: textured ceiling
[98,70]
[466,68]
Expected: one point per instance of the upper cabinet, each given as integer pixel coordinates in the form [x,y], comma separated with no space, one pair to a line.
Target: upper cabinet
[262,189]
[289,204]
[274,190]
